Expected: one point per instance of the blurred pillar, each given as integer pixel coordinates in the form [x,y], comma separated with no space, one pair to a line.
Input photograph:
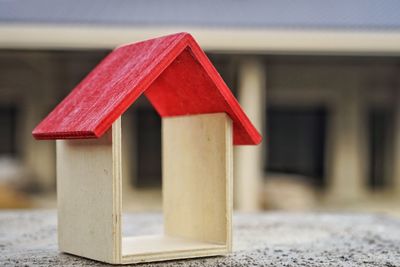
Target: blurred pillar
[347,179]
[129,153]
[42,94]
[248,159]
[39,156]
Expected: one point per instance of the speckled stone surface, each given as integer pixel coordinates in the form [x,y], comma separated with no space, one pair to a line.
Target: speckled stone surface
[270,239]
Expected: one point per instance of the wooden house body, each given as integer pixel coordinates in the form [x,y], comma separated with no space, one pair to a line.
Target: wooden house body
[201,121]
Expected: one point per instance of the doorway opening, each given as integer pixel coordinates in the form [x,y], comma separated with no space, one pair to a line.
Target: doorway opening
[196,184]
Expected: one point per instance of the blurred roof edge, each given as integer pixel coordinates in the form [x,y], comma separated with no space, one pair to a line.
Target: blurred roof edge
[257,26]
[268,41]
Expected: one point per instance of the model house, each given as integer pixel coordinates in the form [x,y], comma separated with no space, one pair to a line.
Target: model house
[201,121]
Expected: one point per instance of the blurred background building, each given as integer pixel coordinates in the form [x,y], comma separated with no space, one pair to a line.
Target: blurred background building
[320,80]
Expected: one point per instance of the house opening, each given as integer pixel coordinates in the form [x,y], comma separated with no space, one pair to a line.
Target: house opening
[194,186]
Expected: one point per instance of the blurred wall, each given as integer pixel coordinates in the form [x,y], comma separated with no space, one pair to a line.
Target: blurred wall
[358,97]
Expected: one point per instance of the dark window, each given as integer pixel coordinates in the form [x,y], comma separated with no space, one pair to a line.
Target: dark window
[8,117]
[296,141]
[148,148]
[227,68]
[379,128]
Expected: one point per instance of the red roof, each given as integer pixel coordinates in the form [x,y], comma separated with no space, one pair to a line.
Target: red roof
[172,71]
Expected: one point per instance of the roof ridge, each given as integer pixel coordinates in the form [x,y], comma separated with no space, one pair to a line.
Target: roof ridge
[148,67]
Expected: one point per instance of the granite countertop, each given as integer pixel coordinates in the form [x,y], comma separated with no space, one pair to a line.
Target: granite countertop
[29,238]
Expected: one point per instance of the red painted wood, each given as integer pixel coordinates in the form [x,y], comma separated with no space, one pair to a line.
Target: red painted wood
[173,72]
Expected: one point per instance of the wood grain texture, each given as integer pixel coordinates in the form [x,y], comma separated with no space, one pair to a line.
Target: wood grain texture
[173,71]
[89,196]
[141,249]
[197,193]
[197,177]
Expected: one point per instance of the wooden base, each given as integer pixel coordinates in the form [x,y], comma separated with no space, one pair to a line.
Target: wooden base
[197,194]
[159,247]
